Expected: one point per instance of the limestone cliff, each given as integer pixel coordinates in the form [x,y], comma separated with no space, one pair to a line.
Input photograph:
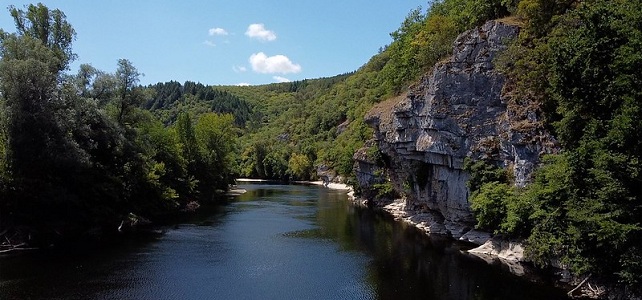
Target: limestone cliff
[461,109]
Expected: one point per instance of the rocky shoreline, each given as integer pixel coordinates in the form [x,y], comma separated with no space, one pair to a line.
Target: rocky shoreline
[492,249]
[488,247]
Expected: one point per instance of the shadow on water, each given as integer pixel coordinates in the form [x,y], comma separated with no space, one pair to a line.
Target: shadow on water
[407,264]
[273,242]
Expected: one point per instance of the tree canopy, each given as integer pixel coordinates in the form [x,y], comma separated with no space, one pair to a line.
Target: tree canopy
[78,154]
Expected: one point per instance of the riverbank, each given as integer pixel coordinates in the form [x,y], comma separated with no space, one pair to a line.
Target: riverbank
[331,185]
[487,247]
[251,180]
[492,249]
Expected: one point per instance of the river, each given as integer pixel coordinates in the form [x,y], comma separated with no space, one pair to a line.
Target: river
[273,242]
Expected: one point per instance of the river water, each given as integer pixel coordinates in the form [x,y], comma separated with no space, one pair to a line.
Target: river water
[273,242]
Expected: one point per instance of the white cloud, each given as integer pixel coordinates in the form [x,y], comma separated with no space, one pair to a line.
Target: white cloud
[261,63]
[239,69]
[258,31]
[217,31]
[281,79]
[243,84]
[209,43]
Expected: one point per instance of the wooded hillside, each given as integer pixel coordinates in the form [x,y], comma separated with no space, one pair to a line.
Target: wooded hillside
[144,151]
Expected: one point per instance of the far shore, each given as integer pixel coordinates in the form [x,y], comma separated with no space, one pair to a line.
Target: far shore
[332,185]
[251,180]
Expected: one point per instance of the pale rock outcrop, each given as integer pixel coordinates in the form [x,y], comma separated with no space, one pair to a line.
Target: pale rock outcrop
[511,253]
[507,250]
[461,109]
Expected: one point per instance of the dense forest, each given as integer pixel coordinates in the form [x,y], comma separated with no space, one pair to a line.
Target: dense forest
[79,155]
[143,151]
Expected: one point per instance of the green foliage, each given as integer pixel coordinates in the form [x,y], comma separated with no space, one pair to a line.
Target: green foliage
[207,147]
[540,15]
[469,13]
[482,172]
[300,167]
[551,187]
[403,65]
[576,60]
[631,262]
[216,138]
[498,207]
[187,138]
[28,78]
[169,99]
[76,151]
[50,27]
[170,174]
[595,80]
[489,205]
[128,95]
[4,154]
[385,190]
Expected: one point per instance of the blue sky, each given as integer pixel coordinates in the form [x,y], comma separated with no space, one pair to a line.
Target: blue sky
[229,42]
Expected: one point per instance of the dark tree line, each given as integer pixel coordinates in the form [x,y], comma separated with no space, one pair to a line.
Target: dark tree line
[167,98]
[78,154]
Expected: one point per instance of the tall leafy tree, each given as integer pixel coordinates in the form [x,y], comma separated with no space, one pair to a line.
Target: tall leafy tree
[187,138]
[216,138]
[128,94]
[50,27]
[40,152]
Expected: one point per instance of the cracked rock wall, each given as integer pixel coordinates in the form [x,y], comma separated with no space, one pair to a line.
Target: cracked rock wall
[459,110]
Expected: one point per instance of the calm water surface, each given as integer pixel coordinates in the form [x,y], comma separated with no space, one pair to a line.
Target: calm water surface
[274,242]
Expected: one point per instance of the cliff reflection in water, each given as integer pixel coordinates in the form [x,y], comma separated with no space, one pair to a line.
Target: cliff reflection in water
[407,264]
[274,242]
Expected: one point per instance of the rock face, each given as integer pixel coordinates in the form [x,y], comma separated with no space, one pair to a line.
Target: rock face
[461,109]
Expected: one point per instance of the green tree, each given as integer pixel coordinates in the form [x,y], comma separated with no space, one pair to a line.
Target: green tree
[299,166]
[4,152]
[489,205]
[216,138]
[43,148]
[252,159]
[482,172]
[540,14]
[48,26]
[29,74]
[586,201]
[128,95]
[187,139]
[94,84]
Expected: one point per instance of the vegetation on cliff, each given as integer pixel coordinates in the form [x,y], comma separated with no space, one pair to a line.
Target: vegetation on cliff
[581,63]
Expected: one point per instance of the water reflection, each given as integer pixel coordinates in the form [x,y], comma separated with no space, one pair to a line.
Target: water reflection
[406,264]
[274,242]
